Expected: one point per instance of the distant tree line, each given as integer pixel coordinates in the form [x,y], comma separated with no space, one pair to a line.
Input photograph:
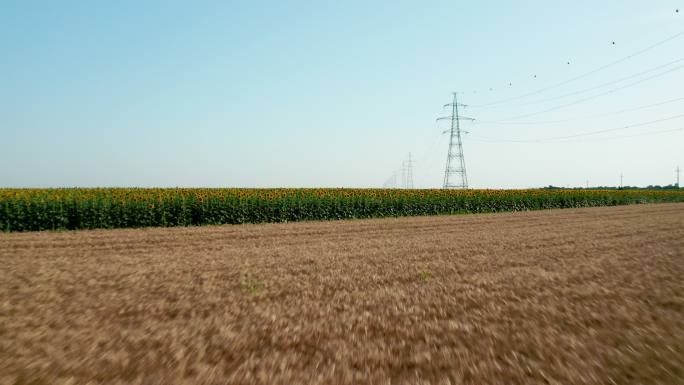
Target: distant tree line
[649,187]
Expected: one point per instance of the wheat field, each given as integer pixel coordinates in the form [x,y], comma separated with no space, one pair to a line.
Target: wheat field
[574,296]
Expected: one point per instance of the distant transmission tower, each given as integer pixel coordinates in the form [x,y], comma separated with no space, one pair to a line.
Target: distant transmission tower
[407,173]
[677,176]
[403,174]
[391,182]
[455,172]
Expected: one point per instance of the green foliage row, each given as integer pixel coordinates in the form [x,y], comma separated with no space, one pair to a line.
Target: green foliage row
[57,209]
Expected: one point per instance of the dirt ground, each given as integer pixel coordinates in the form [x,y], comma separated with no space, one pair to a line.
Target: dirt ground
[579,296]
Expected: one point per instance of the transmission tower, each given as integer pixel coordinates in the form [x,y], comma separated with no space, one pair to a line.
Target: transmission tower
[403,174]
[407,172]
[677,176]
[391,182]
[455,172]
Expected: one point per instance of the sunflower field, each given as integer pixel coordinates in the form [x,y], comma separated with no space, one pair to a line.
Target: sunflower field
[91,208]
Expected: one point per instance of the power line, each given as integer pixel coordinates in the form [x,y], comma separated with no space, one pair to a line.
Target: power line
[626,110]
[611,64]
[587,133]
[430,148]
[650,133]
[592,88]
[591,97]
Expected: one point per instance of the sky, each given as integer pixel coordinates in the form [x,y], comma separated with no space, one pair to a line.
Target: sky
[337,94]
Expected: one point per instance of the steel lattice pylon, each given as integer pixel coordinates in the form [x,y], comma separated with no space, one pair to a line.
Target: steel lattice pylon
[455,175]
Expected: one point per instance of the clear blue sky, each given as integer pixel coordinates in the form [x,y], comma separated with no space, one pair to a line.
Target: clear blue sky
[328,93]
